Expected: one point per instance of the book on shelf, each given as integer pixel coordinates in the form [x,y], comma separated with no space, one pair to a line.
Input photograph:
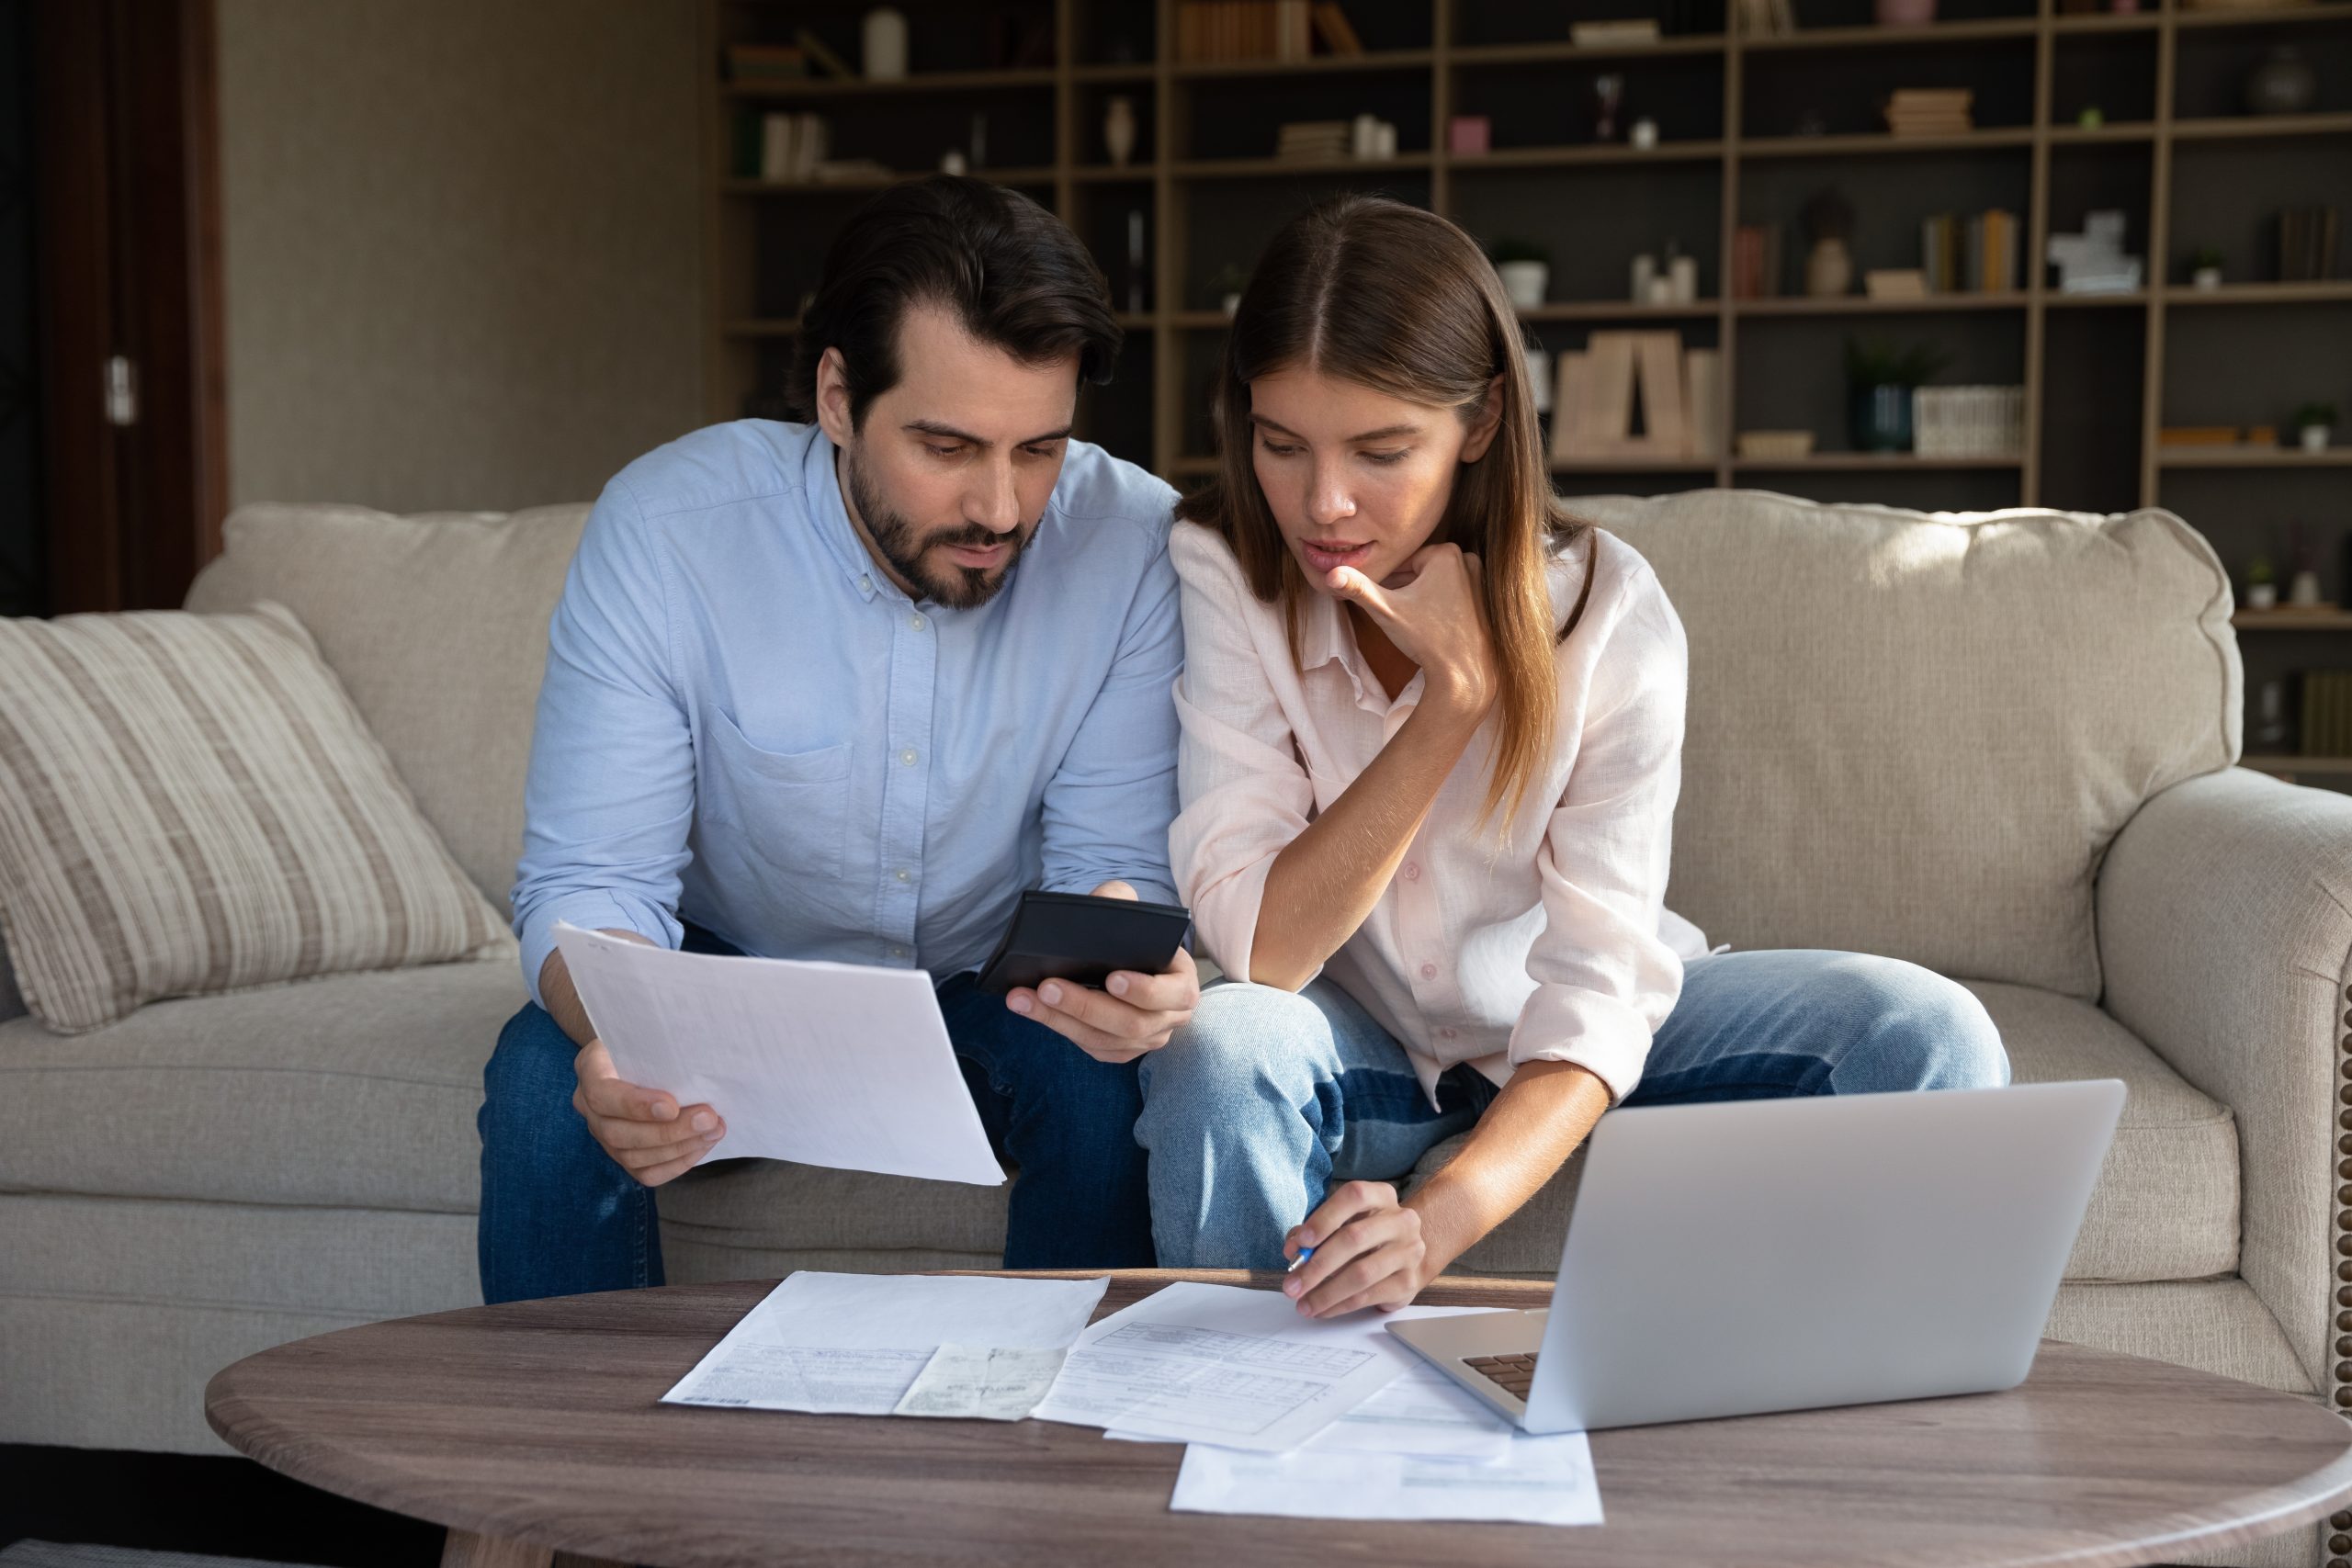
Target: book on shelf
[1225,31]
[1931,111]
[2307,241]
[1613,33]
[1331,22]
[791,147]
[1756,261]
[1620,378]
[1975,255]
[1314,139]
[2327,713]
[822,54]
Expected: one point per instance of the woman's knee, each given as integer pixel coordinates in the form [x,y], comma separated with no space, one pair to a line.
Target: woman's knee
[1247,1046]
[1926,1031]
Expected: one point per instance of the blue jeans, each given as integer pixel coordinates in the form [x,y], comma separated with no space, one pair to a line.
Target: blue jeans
[559,1217]
[1267,1097]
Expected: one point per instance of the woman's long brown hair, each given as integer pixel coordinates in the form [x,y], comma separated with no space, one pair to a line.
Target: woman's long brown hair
[1397,298]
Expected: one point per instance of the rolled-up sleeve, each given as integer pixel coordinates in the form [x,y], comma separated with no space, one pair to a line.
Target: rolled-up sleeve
[1245,794]
[1107,807]
[1604,981]
[609,798]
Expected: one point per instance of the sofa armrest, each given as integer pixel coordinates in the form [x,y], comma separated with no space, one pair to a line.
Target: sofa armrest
[2224,912]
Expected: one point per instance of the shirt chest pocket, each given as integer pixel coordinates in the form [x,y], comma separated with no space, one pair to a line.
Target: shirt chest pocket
[793,809]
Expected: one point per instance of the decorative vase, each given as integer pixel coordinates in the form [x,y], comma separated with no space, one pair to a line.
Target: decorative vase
[2305,590]
[2316,437]
[886,44]
[2206,278]
[1119,130]
[1905,13]
[1525,282]
[2283,84]
[1880,418]
[1829,270]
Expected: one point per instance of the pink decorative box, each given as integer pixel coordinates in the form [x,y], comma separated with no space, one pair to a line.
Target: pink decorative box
[1470,133]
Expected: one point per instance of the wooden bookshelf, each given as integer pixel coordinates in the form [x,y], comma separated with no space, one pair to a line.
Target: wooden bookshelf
[2103,373]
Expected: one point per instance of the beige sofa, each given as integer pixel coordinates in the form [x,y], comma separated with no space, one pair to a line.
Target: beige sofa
[1999,746]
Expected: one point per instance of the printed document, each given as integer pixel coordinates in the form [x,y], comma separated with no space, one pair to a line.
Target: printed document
[826,1064]
[855,1344]
[1541,1481]
[1222,1364]
[982,1383]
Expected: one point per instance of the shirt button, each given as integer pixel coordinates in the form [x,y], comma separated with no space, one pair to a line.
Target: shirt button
[908,757]
[903,874]
[1412,871]
[1445,1034]
[866,583]
[1429,971]
[917,622]
[898,952]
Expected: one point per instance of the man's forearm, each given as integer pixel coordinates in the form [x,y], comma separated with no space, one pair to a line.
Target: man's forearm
[561,997]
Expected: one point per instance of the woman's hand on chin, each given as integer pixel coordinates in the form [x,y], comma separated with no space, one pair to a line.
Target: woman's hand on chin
[1434,609]
[1368,1252]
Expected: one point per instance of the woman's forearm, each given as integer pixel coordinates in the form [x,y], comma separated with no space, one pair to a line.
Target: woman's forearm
[1546,1110]
[1324,884]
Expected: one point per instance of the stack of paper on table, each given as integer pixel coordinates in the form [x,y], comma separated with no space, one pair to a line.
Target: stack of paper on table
[1332,1419]
[896,1344]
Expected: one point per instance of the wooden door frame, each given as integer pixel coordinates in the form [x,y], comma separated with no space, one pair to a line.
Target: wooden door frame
[127,144]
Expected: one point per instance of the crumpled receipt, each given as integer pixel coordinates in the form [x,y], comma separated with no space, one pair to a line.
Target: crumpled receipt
[986,1383]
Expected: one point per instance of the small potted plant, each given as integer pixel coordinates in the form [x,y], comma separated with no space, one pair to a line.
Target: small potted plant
[1526,269]
[1880,378]
[2205,266]
[1226,285]
[2261,584]
[2314,425]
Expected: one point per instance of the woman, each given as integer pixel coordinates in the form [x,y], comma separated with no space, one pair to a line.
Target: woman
[1431,744]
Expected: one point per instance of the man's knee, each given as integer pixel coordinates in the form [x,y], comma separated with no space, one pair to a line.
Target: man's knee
[1926,1030]
[530,1071]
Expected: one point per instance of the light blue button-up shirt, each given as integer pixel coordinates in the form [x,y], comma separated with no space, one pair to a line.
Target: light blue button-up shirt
[745,724]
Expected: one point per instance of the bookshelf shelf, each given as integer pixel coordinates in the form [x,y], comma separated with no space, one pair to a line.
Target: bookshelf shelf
[2260,294]
[2135,299]
[2264,17]
[1930,36]
[2289,618]
[1515,158]
[2269,127]
[1041,175]
[1568,54]
[1316,66]
[1861,305]
[1275,168]
[913,83]
[1620,311]
[2187,457]
[1881,143]
[2113,132]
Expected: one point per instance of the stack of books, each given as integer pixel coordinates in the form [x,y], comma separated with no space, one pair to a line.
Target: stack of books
[767,62]
[1931,111]
[1756,261]
[1308,138]
[2327,713]
[781,148]
[2307,244]
[1977,254]
[1214,31]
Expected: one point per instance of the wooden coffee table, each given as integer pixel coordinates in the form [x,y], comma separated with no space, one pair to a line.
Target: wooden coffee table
[533,1430]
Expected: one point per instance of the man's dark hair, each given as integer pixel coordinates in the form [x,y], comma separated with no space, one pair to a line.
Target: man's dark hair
[1007,268]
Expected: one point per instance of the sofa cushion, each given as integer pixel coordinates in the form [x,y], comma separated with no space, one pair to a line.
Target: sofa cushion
[189,805]
[351,1090]
[2166,1202]
[438,625]
[1914,733]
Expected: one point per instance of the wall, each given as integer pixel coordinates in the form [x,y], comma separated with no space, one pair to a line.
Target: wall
[461,244]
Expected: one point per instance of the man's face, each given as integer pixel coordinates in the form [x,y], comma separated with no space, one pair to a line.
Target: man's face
[948,478]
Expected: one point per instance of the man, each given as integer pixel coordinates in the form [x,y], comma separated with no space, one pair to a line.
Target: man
[841,691]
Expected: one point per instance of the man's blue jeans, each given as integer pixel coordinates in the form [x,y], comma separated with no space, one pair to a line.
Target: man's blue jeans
[1267,1097]
[559,1217]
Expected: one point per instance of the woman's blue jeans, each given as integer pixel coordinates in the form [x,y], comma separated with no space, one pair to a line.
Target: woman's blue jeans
[1267,1097]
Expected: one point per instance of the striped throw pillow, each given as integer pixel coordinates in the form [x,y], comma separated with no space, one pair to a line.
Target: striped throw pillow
[191,803]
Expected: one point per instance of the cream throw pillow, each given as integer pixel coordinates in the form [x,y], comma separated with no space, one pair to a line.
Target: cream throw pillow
[188,805]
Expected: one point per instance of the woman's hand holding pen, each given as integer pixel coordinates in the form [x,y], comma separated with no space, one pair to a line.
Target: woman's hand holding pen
[1369,1252]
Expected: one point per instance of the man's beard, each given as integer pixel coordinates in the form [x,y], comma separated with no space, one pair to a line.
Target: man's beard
[908,548]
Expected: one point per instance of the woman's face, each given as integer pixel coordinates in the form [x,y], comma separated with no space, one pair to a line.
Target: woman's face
[1355,477]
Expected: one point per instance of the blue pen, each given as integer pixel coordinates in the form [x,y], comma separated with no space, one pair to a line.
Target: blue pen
[1297,1263]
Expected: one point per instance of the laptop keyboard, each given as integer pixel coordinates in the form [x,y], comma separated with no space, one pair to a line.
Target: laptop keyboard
[1514,1374]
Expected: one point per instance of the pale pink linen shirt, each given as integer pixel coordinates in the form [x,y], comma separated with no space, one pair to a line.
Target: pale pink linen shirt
[1550,942]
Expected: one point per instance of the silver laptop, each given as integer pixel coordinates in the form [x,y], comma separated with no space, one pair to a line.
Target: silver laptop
[1760,1255]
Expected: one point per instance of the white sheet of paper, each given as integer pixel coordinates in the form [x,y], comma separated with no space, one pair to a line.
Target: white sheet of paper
[982,1383]
[852,1343]
[1222,1364]
[1422,1412]
[1541,1481]
[826,1064]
